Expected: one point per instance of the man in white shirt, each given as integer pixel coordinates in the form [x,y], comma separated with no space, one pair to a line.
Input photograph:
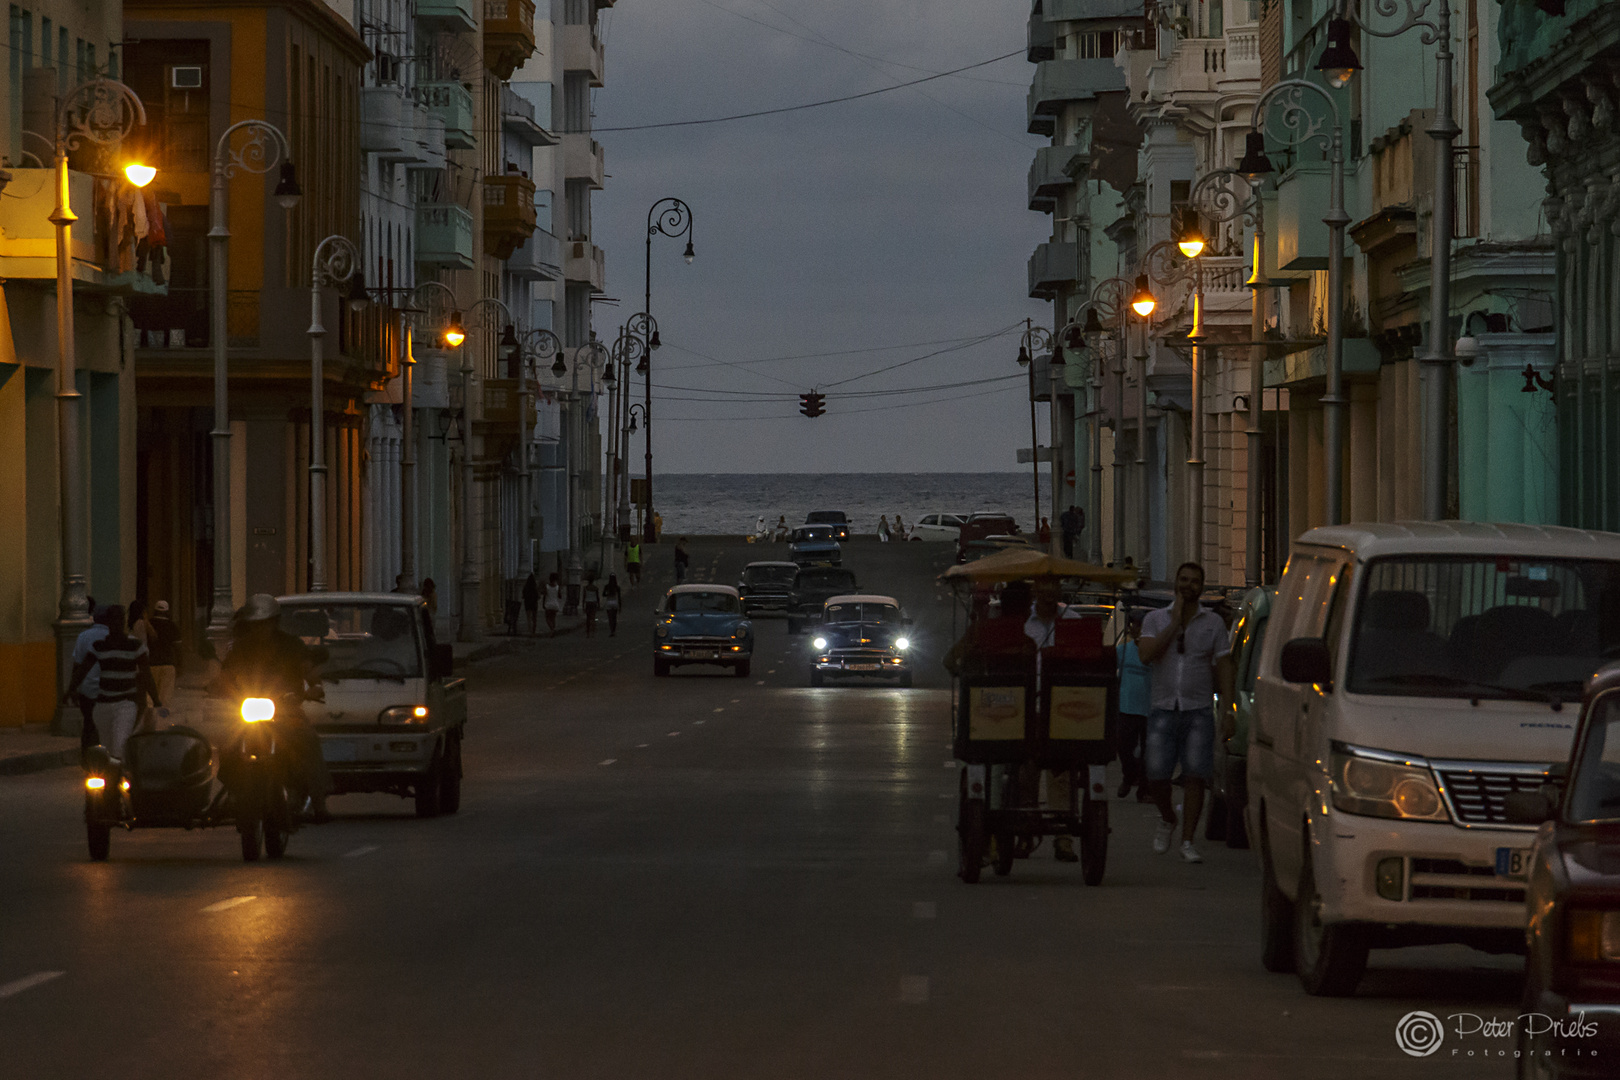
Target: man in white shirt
[1188,651]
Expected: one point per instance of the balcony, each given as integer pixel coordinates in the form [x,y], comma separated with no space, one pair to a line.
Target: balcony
[1042,38]
[521,120]
[539,258]
[1048,175]
[452,15]
[508,213]
[508,35]
[429,132]
[503,398]
[28,239]
[583,160]
[1060,82]
[585,262]
[581,50]
[388,125]
[444,236]
[452,103]
[1054,265]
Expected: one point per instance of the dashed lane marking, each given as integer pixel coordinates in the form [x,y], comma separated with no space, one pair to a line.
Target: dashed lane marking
[760,682]
[734,701]
[355,854]
[642,745]
[235,901]
[913,989]
[947,795]
[924,909]
[28,982]
[697,721]
[609,761]
[721,708]
[673,734]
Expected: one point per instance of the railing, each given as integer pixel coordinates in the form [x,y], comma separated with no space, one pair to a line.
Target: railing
[183,320]
[1244,45]
[509,11]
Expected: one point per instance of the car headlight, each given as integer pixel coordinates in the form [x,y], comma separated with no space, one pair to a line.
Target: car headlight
[1594,936]
[902,643]
[1386,789]
[820,643]
[742,630]
[663,631]
[255,709]
[404,714]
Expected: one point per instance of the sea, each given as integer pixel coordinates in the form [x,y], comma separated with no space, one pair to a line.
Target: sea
[731,503]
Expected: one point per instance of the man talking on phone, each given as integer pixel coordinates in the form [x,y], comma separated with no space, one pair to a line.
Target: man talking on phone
[1188,651]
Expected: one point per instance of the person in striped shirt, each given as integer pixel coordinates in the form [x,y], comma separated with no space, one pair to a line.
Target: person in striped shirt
[125,675]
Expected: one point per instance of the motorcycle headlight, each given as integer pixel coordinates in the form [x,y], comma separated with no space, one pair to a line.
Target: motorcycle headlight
[95,783]
[255,709]
[404,714]
[820,643]
[902,643]
[1386,789]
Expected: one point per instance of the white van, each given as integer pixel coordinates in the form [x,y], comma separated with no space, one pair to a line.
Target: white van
[1413,675]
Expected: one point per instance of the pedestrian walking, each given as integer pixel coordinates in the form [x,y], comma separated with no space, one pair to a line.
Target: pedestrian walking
[124,676]
[163,645]
[139,628]
[590,598]
[1135,700]
[553,602]
[883,529]
[611,599]
[1043,533]
[899,528]
[531,602]
[1188,652]
[632,562]
[90,684]
[682,560]
[1070,522]
[658,527]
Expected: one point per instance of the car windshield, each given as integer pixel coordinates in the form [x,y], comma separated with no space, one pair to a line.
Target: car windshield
[874,613]
[825,579]
[362,641]
[723,603]
[1594,786]
[769,575]
[826,517]
[815,532]
[1484,627]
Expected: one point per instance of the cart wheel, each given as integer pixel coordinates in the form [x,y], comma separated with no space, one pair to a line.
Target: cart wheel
[1093,840]
[973,836]
[100,837]
[1007,848]
[252,838]
[1237,831]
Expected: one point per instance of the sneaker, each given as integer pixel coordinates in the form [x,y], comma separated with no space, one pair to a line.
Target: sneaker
[1190,853]
[1161,837]
[1063,850]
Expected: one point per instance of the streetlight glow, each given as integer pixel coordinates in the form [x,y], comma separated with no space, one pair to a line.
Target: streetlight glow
[454,335]
[138,174]
[1143,302]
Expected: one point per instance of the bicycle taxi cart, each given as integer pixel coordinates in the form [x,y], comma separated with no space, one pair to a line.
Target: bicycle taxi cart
[1017,711]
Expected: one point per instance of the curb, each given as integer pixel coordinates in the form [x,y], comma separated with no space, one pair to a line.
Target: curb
[21,764]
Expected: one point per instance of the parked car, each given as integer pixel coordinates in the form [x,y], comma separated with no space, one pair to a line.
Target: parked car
[702,624]
[979,527]
[990,545]
[1411,677]
[813,544]
[938,527]
[766,586]
[1569,1023]
[836,518]
[1233,718]
[812,588]
[861,636]
[394,717]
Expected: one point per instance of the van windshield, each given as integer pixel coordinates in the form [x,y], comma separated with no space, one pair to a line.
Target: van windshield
[1506,627]
[362,641]
[1594,787]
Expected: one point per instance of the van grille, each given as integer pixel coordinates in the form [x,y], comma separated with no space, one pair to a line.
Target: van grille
[1478,794]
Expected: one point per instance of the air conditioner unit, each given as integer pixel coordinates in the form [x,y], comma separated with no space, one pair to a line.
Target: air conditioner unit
[186,77]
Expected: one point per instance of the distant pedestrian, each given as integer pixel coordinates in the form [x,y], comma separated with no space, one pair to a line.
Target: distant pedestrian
[1135,701]
[883,529]
[1043,534]
[658,527]
[611,599]
[553,602]
[430,593]
[1070,522]
[682,560]
[899,529]
[124,676]
[399,583]
[139,628]
[531,602]
[632,562]
[781,529]
[762,532]
[590,599]
[90,685]
[164,647]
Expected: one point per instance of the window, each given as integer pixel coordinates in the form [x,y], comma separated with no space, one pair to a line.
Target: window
[577,12]
[1594,786]
[577,102]
[1096,45]
[577,193]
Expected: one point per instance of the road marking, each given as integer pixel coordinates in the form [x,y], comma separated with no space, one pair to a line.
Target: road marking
[695,722]
[642,745]
[609,761]
[232,902]
[28,982]
[673,734]
[924,909]
[720,709]
[948,794]
[913,989]
[936,857]
[761,682]
[734,701]
[771,672]
[355,854]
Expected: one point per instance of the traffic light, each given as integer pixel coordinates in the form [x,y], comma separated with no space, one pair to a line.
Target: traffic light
[811,404]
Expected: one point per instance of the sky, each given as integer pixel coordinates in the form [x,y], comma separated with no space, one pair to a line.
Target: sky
[884,229]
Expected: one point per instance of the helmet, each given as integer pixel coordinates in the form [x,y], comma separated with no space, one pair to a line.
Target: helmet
[261,607]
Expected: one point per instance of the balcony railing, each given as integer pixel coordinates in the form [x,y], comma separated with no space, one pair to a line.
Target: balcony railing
[452,103]
[1047,175]
[509,217]
[444,236]
[1053,265]
[451,14]
[508,35]
[181,320]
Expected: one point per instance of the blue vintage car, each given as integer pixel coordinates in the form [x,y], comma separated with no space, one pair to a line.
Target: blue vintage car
[702,624]
[861,635]
[813,545]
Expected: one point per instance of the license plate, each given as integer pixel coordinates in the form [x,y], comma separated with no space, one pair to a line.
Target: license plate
[1513,863]
[702,654]
[860,667]
[333,750]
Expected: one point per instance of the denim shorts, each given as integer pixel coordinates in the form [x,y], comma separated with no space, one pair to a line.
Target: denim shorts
[1185,735]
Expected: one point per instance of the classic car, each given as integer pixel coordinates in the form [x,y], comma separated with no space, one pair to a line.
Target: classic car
[394,718]
[1232,723]
[812,587]
[1569,1023]
[767,586]
[813,544]
[836,518]
[980,527]
[702,624]
[861,635]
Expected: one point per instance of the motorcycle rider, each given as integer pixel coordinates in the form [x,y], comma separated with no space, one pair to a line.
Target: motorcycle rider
[266,661]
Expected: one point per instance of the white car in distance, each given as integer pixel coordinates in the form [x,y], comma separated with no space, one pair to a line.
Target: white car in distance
[938,527]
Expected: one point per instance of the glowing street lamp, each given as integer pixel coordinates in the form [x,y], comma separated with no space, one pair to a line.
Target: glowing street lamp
[1143,302]
[138,174]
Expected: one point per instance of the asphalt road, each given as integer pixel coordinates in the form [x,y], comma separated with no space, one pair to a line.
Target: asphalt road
[694,877]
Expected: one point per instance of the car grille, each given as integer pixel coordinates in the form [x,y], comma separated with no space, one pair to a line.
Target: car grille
[1478,793]
[1452,879]
[861,655]
[704,642]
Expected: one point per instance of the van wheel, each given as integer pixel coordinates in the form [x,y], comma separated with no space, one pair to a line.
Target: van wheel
[744,668]
[1330,957]
[450,778]
[793,625]
[1276,918]
[905,680]
[815,677]
[427,789]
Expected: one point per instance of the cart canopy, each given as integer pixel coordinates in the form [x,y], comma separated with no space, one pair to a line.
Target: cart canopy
[1018,565]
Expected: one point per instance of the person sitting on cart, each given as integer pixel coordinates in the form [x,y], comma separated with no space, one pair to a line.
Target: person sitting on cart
[995,640]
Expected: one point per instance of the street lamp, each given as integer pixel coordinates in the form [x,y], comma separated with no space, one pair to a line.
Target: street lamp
[631,347]
[407,457]
[1120,291]
[1143,302]
[1339,63]
[1306,128]
[471,624]
[336,259]
[588,356]
[533,348]
[1035,339]
[1092,329]
[264,149]
[670,217]
[103,112]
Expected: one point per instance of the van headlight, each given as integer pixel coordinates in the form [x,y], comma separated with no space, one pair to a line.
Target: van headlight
[1386,789]
[255,709]
[404,714]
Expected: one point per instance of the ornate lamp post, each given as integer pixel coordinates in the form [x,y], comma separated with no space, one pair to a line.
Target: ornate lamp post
[407,458]
[103,112]
[1035,340]
[670,217]
[265,148]
[590,356]
[631,348]
[537,346]
[1305,128]
[336,260]
[471,626]
[1143,302]
[1119,291]
[1093,329]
